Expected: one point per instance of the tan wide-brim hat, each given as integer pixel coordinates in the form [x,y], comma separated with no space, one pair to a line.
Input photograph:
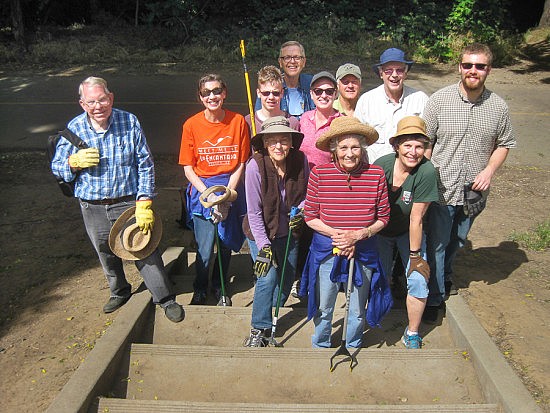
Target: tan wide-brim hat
[410,125]
[276,125]
[346,125]
[128,242]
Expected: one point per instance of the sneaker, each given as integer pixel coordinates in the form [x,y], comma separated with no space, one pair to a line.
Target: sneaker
[257,339]
[114,303]
[174,312]
[411,342]
[295,289]
[450,288]
[199,298]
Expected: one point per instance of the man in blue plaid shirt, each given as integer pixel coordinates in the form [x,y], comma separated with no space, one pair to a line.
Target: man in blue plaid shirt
[114,173]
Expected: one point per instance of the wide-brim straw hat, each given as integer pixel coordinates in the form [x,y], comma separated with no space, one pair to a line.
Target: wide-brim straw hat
[276,125]
[410,125]
[346,125]
[128,242]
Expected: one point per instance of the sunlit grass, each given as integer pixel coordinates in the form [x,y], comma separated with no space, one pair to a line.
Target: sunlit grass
[537,239]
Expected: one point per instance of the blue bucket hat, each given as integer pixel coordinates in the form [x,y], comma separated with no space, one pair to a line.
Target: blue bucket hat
[392,55]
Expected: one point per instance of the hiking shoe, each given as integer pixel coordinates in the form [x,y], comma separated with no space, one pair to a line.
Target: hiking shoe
[199,298]
[450,288]
[174,312]
[257,339]
[295,289]
[114,303]
[411,342]
[431,313]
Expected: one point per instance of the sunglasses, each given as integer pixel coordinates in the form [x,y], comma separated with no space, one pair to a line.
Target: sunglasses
[399,71]
[275,93]
[328,91]
[479,66]
[206,92]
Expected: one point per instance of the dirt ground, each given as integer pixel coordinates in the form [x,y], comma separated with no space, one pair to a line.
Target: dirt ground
[52,288]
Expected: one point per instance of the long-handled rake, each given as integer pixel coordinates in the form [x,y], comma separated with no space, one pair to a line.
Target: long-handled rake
[225,301]
[228,195]
[343,350]
[293,212]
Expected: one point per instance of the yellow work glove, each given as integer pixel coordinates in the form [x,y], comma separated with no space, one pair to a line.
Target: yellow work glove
[84,158]
[144,215]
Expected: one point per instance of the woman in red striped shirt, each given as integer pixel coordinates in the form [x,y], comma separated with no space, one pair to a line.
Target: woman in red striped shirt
[346,205]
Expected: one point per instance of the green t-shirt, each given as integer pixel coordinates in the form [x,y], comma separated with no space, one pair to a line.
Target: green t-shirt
[419,186]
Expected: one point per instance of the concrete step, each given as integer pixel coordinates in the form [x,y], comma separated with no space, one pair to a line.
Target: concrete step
[292,375]
[146,406]
[229,326]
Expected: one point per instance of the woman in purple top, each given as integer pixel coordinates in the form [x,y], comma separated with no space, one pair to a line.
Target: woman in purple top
[275,180]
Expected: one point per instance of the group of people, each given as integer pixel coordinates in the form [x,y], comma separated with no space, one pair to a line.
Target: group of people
[331,185]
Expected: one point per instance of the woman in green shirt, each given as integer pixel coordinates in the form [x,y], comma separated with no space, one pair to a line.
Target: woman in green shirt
[412,186]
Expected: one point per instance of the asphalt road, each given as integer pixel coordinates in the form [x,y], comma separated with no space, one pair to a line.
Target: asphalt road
[31,108]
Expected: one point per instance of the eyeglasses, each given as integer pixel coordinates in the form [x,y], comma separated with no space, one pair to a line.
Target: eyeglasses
[275,93]
[272,142]
[400,71]
[206,92]
[102,102]
[479,66]
[287,59]
[328,91]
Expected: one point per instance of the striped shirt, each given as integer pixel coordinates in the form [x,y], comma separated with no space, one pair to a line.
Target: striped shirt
[347,201]
[125,166]
[464,135]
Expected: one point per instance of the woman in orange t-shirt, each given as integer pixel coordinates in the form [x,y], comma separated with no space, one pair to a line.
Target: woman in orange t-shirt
[215,144]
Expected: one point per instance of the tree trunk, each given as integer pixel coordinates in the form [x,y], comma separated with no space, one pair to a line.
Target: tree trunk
[136,16]
[17,23]
[545,18]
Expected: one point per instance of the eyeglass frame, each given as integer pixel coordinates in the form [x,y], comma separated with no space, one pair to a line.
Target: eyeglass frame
[287,58]
[482,67]
[398,70]
[266,93]
[326,91]
[216,91]
[104,101]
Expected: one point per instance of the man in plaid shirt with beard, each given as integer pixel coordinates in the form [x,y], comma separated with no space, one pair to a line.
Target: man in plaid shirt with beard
[471,135]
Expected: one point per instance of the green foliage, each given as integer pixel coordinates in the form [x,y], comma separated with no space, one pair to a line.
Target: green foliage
[429,30]
[537,239]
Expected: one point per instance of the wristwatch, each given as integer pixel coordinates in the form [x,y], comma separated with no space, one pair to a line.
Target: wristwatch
[417,253]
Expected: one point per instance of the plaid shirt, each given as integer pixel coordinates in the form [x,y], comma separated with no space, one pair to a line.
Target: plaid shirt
[464,135]
[125,166]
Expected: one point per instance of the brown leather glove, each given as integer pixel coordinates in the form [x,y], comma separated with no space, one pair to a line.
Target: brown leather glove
[419,264]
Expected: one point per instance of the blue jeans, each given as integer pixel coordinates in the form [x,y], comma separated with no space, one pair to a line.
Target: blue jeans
[267,288]
[416,283]
[205,233]
[327,292]
[98,220]
[447,229]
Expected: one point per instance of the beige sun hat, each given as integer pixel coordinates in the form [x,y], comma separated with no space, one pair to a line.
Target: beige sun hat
[346,125]
[276,125]
[410,125]
[128,242]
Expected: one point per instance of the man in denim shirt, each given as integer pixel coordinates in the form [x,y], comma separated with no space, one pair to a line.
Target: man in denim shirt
[114,173]
[296,97]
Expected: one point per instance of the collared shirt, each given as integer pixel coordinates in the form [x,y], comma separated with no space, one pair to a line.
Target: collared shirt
[125,164]
[377,110]
[464,135]
[311,134]
[304,103]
